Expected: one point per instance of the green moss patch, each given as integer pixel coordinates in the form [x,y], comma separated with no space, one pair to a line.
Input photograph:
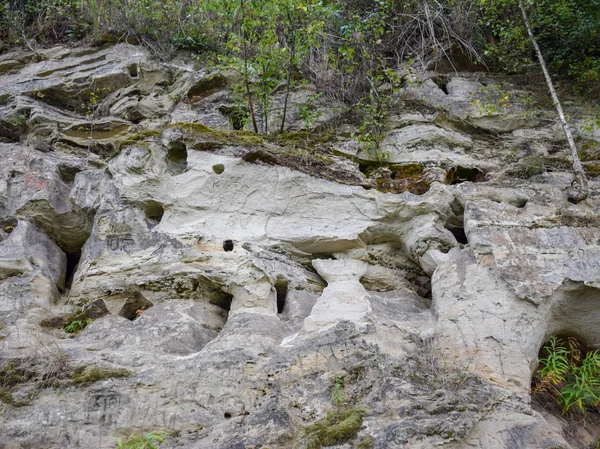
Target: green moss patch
[365,442]
[338,427]
[139,137]
[84,374]
[592,169]
[217,137]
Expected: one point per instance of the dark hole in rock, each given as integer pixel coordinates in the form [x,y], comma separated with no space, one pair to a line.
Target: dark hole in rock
[459,234]
[72,263]
[459,174]
[134,306]
[238,118]
[133,70]
[218,168]
[259,156]
[177,158]
[67,174]
[326,256]
[227,415]
[228,245]
[207,86]
[222,300]
[441,82]
[154,212]
[366,167]
[281,287]
[520,203]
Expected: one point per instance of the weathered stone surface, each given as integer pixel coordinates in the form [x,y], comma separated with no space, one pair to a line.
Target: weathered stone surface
[32,270]
[240,277]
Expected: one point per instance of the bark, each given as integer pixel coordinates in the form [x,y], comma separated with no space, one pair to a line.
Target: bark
[579,189]
[246,79]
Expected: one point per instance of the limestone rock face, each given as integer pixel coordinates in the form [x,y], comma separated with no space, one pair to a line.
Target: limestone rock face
[231,289]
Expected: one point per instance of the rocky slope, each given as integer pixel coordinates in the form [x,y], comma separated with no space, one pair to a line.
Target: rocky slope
[240,287]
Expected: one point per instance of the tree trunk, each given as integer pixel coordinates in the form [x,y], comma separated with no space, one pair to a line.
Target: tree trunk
[246,78]
[579,190]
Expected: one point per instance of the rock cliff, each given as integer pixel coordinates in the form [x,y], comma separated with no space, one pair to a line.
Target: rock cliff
[289,290]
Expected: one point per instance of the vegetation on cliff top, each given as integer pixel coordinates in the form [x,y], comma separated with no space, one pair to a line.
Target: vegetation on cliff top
[343,39]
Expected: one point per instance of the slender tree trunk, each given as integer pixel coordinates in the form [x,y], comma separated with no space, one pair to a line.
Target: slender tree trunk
[579,189]
[287,91]
[289,73]
[246,79]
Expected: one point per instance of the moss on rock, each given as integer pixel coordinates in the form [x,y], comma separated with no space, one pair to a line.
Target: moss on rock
[338,427]
[84,374]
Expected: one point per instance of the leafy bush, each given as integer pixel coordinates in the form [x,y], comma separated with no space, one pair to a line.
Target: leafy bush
[77,325]
[569,376]
[568,32]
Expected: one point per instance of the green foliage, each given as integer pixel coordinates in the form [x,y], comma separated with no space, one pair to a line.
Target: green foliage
[77,325]
[568,32]
[308,111]
[491,100]
[572,381]
[336,43]
[337,397]
[555,366]
[149,441]
[374,109]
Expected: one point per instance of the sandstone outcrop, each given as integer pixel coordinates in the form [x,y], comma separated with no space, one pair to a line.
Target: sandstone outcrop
[238,277]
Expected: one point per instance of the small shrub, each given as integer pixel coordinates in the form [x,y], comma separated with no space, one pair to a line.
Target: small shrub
[491,100]
[337,397]
[569,377]
[77,325]
[150,441]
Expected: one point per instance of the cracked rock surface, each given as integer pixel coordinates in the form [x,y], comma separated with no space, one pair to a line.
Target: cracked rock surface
[237,278]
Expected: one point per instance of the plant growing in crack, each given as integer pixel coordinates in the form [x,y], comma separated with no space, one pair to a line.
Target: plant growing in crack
[337,396]
[77,325]
[90,109]
[569,376]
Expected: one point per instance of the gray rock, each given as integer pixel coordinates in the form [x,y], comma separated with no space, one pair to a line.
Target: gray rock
[239,278]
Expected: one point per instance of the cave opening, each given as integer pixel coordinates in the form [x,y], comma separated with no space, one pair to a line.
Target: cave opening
[281,288]
[73,259]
